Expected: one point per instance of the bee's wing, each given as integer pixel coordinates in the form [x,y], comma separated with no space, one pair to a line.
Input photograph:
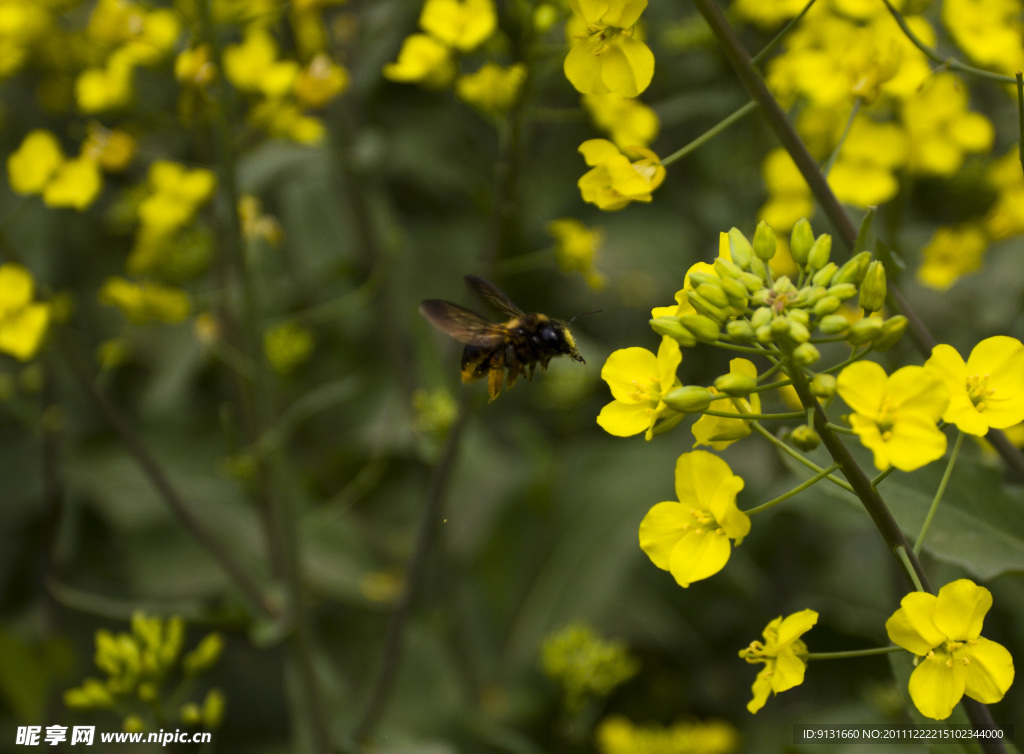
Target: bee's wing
[462,324]
[490,293]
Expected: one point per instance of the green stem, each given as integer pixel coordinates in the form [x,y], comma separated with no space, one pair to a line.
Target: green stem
[798,457]
[1020,118]
[882,476]
[919,543]
[726,345]
[949,62]
[751,416]
[842,139]
[841,429]
[862,487]
[777,39]
[710,133]
[853,653]
[795,491]
[904,556]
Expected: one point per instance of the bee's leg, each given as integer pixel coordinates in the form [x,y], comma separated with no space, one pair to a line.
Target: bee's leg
[494,379]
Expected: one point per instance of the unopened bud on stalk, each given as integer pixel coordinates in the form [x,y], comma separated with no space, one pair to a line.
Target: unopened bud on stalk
[823,386]
[872,289]
[892,331]
[864,331]
[806,354]
[671,327]
[740,331]
[833,324]
[704,329]
[735,385]
[764,241]
[825,274]
[740,249]
[853,271]
[805,438]
[801,241]
[820,252]
[689,399]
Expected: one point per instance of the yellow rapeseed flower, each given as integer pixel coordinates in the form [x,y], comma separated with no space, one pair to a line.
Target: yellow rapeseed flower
[985,391]
[252,65]
[31,166]
[952,253]
[606,55]
[987,30]
[628,121]
[895,415]
[614,181]
[784,656]
[23,322]
[493,89]
[720,432]
[639,380]
[320,81]
[691,538]
[422,60]
[576,246]
[76,184]
[177,193]
[952,657]
[462,24]
[145,302]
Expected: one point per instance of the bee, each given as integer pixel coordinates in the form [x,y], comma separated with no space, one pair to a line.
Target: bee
[500,351]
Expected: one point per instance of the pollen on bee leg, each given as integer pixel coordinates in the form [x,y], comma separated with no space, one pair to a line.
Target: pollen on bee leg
[494,379]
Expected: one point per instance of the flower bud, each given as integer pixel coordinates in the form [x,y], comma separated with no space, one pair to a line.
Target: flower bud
[727,269]
[764,335]
[735,385]
[826,305]
[740,331]
[704,329]
[853,271]
[740,249]
[820,252]
[892,331]
[864,331]
[825,274]
[762,316]
[833,324]
[705,307]
[823,386]
[811,295]
[801,241]
[799,315]
[784,285]
[760,269]
[735,291]
[764,241]
[872,289]
[804,438]
[671,327]
[690,399]
[752,282]
[806,354]
[843,291]
[713,293]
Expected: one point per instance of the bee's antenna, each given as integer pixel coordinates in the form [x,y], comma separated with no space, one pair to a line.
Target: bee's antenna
[577,316]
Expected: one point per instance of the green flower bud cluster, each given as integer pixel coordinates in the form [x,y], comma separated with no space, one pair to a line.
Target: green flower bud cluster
[587,666]
[140,666]
[740,302]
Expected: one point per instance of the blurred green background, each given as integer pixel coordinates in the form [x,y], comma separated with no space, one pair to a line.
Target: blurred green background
[540,514]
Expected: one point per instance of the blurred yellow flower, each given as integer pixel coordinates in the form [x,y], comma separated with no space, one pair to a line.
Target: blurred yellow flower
[576,245]
[287,346]
[942,131]
[789,197]
[952,253]
[176,195]
[614,181]
[988,31]
[112,148]
[76,184]
[493,89]
[617,735]
[105,88]
[23,322]
[628,121]
[194,67]
[252,65]
[462,24]
[320,81]
[145,302]
[1005,217]
[422,60]
[31,165]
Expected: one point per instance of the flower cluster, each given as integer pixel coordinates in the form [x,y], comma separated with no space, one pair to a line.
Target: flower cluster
[586,665]
[740,302]
[140,667]
[617,735]
[452,28]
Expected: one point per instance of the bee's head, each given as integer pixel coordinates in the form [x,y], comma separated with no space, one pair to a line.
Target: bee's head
[555,334]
